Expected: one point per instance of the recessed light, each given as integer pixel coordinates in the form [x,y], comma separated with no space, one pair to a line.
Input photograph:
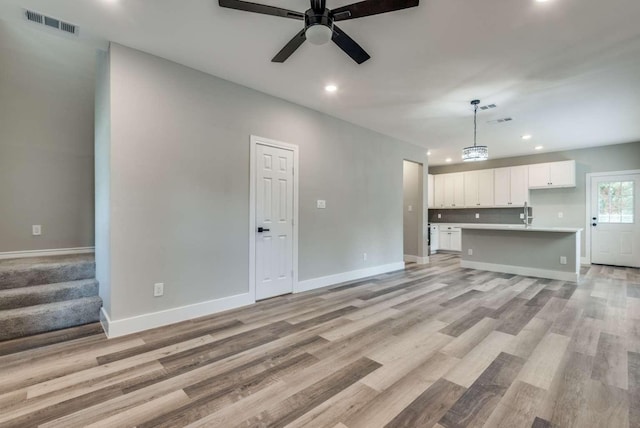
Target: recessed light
[447,160]
[526,137]
[429,153]
[541,1]
[538,147]
[331,88]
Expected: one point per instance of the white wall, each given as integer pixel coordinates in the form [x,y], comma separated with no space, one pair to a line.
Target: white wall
[179,185]
[46,140]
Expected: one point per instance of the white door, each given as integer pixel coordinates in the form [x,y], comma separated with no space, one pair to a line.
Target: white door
[471,189]
[539,175]
[615,220]
[458,189]
[274,221]
[438,191]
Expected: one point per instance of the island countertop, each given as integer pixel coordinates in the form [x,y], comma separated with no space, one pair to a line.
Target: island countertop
[520,228]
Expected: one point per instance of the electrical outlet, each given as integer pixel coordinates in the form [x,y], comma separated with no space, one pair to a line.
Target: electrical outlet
[36,230]
[563,260]
[439,215]
[521,216]
[410,208]
[158,289]
[470,251]
[477,215]
[364,257]
[560,214]
[321,204]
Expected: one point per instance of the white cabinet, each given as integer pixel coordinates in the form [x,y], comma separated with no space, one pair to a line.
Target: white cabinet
[553,174]
[450,239]
[430,195]
[438,191]
[454,190]
[478,188]
[511,186]
[448,190]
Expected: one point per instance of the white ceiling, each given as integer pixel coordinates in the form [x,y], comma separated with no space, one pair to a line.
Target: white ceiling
[567,71]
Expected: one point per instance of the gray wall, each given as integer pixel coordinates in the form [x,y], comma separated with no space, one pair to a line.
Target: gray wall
[46,140]
[179,185]
[102,176]
[572,201]
[412,188]
[542,250]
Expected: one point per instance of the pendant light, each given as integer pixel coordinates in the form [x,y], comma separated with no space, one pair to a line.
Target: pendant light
[475,153]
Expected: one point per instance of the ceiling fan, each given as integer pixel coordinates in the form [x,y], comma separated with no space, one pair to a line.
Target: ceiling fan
[319,25]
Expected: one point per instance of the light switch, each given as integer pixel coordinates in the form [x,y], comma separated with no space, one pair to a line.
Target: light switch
[36,230]
[560,214]
[321,204]
[410,208]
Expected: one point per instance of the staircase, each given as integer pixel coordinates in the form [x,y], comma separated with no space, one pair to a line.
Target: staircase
[42,294]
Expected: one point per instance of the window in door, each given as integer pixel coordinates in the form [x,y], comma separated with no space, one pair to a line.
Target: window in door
[615,202]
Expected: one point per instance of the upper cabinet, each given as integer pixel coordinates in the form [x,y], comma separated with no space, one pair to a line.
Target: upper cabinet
[478,188]
[430,189]
[501,187]
[511,186]
[553,174]
[449,190]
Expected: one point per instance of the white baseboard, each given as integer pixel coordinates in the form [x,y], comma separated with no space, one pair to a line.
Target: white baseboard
[44,253]
[416,259]
[324,281]
[520,270]
[116,328]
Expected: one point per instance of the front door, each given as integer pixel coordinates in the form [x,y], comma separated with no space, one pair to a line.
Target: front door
[274,221]
[615,220]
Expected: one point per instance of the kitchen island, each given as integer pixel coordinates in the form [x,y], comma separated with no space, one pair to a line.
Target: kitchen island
[544,252]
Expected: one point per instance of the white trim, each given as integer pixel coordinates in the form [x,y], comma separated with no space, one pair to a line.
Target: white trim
[324,281]
[416,259]
[520,270]
[254,141]
[122,327]
[44,253]
[587,209]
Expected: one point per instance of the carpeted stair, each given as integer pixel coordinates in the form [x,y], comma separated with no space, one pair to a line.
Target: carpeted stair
[47,293]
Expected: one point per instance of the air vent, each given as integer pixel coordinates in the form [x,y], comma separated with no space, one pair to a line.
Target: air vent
[34,17]
[50,22]
[501,120]
[488,107]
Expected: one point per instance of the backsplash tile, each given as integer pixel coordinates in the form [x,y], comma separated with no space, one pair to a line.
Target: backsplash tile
[487,215]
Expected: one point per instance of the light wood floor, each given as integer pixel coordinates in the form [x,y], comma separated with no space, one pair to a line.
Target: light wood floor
[428,346]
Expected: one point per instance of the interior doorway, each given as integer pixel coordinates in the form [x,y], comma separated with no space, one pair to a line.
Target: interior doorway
[414,225]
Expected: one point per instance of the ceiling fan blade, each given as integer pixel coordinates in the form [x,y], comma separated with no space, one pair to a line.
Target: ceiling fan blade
[349,46]
[260,8]
[290,47]
[371,7]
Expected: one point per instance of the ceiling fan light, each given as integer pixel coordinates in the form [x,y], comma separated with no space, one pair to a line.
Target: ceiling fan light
[475,153]
[318,34]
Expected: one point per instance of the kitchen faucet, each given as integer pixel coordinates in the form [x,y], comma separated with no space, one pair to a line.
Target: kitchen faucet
[527,218]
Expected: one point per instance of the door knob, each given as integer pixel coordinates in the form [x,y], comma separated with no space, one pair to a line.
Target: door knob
[593,218]
[262,229]
[594,224]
